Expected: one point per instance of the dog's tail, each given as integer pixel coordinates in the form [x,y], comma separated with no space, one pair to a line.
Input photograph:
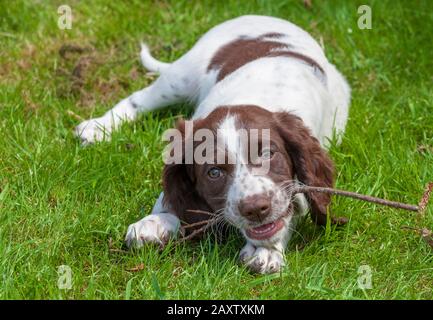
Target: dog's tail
[149,62]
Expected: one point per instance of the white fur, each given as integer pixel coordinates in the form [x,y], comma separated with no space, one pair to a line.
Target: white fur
[149,62]
[260,255]
[261,259]
[158,227]
[276,84]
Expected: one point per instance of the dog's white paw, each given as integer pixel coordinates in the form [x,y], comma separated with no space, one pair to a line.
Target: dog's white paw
[93,130]
[155,228]
[262,260]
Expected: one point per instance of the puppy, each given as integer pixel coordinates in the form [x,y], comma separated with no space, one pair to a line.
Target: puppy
[252,74]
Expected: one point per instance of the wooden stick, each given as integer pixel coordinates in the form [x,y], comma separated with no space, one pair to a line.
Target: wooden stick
[307,189]
[209,223]
[201,211]
[394,204]
[191,225]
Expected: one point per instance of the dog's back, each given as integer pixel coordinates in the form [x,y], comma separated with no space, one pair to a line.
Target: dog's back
[262,61]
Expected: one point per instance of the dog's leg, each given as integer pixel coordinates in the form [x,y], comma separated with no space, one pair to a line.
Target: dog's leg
[263,259]
[175,84]
[158,227]
[158,95]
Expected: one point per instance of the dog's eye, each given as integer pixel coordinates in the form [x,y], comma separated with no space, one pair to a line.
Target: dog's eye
[266,154]
[214,172]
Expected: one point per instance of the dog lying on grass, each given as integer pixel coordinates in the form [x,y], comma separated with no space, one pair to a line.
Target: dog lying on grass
[259,84]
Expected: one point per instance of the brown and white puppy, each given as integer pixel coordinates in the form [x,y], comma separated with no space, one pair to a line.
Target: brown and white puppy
[259,83]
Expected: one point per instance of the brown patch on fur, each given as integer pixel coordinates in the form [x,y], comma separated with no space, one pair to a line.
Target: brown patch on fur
[271,35]
[299,56]
[239,52]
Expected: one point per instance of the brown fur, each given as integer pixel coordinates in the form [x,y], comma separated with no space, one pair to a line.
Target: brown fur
[180,193]
[237,53]
[312,165]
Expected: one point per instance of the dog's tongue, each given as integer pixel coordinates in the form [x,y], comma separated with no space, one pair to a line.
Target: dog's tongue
[263,227]
[265,231]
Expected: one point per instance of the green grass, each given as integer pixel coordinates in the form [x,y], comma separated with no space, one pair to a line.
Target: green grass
[61,204]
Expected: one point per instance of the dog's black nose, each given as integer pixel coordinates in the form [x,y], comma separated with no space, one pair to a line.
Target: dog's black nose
[256,207]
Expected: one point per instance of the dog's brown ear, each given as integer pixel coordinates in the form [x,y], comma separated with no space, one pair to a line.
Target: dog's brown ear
[312,165]
[180,194]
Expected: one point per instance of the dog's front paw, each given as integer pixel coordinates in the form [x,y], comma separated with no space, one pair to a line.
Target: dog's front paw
[262,260]
[153,229]
[93,130]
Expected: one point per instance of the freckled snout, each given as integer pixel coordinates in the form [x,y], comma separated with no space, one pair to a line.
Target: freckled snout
[255,208]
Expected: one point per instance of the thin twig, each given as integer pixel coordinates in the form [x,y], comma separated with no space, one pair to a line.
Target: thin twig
[195,224]
[201,211]
[210,222]
[394,204]
[207,223]
[307,189]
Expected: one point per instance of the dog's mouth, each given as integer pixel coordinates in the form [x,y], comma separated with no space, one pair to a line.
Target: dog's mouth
[265,231]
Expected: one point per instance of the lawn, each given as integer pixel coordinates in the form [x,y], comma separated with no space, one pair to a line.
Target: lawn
[62,204]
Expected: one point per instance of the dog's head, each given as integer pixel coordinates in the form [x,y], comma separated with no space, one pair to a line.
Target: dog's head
[244,161]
